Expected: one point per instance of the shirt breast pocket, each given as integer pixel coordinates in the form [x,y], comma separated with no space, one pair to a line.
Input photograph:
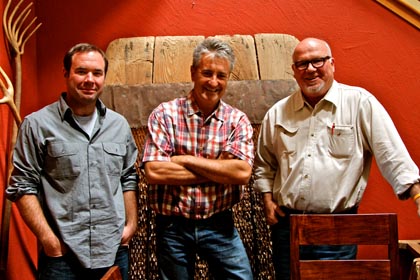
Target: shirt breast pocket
[114,157]
[285,147]
[63,160]
[341,143]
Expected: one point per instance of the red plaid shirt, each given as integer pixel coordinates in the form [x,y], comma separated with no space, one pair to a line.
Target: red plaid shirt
[177,128]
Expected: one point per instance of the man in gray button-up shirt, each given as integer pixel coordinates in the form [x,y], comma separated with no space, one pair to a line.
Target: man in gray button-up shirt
[74,179]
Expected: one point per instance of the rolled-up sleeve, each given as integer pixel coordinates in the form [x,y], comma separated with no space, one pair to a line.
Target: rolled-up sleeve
[27,162]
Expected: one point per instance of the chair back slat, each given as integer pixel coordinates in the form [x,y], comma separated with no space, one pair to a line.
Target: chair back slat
[336,229]
[112,274]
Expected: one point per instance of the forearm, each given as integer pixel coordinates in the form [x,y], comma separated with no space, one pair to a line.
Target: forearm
[414,190]
[32,214]
[223,171]
[130,204]
[171,173]
[414,194]
[131,216]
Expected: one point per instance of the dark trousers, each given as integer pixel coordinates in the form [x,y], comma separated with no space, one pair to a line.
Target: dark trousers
[68,267]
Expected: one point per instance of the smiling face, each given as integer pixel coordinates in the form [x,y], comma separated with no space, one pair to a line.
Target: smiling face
[313,82]
[210,79]
[85,81]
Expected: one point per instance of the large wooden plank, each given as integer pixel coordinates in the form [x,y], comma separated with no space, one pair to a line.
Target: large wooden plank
[253,97]
[130,61]
[167,60]
[246,67]
[275,55]
[173,58]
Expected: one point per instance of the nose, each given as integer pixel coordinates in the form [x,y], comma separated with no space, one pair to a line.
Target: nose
[89,77]
[213,80]
[310,67]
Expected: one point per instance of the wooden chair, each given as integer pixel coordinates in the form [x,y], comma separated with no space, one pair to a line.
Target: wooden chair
[112,274]
[415,270]
[335,229]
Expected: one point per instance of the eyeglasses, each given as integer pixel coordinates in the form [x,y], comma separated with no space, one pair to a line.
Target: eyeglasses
[316,63]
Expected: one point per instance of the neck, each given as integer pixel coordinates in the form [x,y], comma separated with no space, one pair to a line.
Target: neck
[81,109]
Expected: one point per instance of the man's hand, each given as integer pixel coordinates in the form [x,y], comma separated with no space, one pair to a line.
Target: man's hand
[128,233]
[413,191]
[271,209]
[53,247]
[226,155]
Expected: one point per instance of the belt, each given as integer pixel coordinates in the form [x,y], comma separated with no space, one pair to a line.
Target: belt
[289,211]
[220,217]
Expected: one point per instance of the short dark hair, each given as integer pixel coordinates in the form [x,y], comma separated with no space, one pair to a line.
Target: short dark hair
[215,46]
[82,48]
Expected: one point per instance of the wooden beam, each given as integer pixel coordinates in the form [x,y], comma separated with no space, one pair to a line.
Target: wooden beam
[253,97]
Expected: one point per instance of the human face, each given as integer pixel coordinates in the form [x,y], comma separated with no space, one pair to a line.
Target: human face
[210,79]
[313,82]
[85,81]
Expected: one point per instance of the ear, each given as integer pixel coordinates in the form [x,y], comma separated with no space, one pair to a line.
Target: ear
[65,73]
[332,61]
[192,70]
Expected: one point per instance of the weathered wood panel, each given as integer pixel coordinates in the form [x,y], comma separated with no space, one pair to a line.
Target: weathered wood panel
[274,53]
[130,61]
[173,58]
[167,60]
[253,97]
[246,67]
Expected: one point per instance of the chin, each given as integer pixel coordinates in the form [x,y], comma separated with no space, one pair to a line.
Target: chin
[315,89]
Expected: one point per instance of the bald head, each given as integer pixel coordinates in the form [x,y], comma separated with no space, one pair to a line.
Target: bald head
[311,44]
[313,68]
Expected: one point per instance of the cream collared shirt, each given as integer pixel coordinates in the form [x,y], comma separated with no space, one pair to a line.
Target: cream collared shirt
[318,159]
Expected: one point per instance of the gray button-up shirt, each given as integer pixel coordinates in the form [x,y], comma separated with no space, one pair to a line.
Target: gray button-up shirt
[79,180]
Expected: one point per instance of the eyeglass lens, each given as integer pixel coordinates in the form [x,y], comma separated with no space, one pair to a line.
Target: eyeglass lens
[316,63]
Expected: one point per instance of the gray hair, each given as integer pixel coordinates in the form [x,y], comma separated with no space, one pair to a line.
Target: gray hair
[215,47]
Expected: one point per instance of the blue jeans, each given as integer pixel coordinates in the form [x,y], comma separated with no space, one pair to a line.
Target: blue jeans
[215,240]
[280,237]
[68,267]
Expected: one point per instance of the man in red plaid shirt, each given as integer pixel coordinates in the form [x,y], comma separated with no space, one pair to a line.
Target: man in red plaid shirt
[197,157]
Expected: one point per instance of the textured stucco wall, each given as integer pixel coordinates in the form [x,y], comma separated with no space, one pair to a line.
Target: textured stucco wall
[373,48]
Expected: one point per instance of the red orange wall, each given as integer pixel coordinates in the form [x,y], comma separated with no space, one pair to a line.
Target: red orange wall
[22,243]
[372,47]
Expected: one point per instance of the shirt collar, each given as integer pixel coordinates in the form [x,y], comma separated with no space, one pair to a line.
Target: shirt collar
[299,101]
[192,108]
[65,110]
[330,96]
